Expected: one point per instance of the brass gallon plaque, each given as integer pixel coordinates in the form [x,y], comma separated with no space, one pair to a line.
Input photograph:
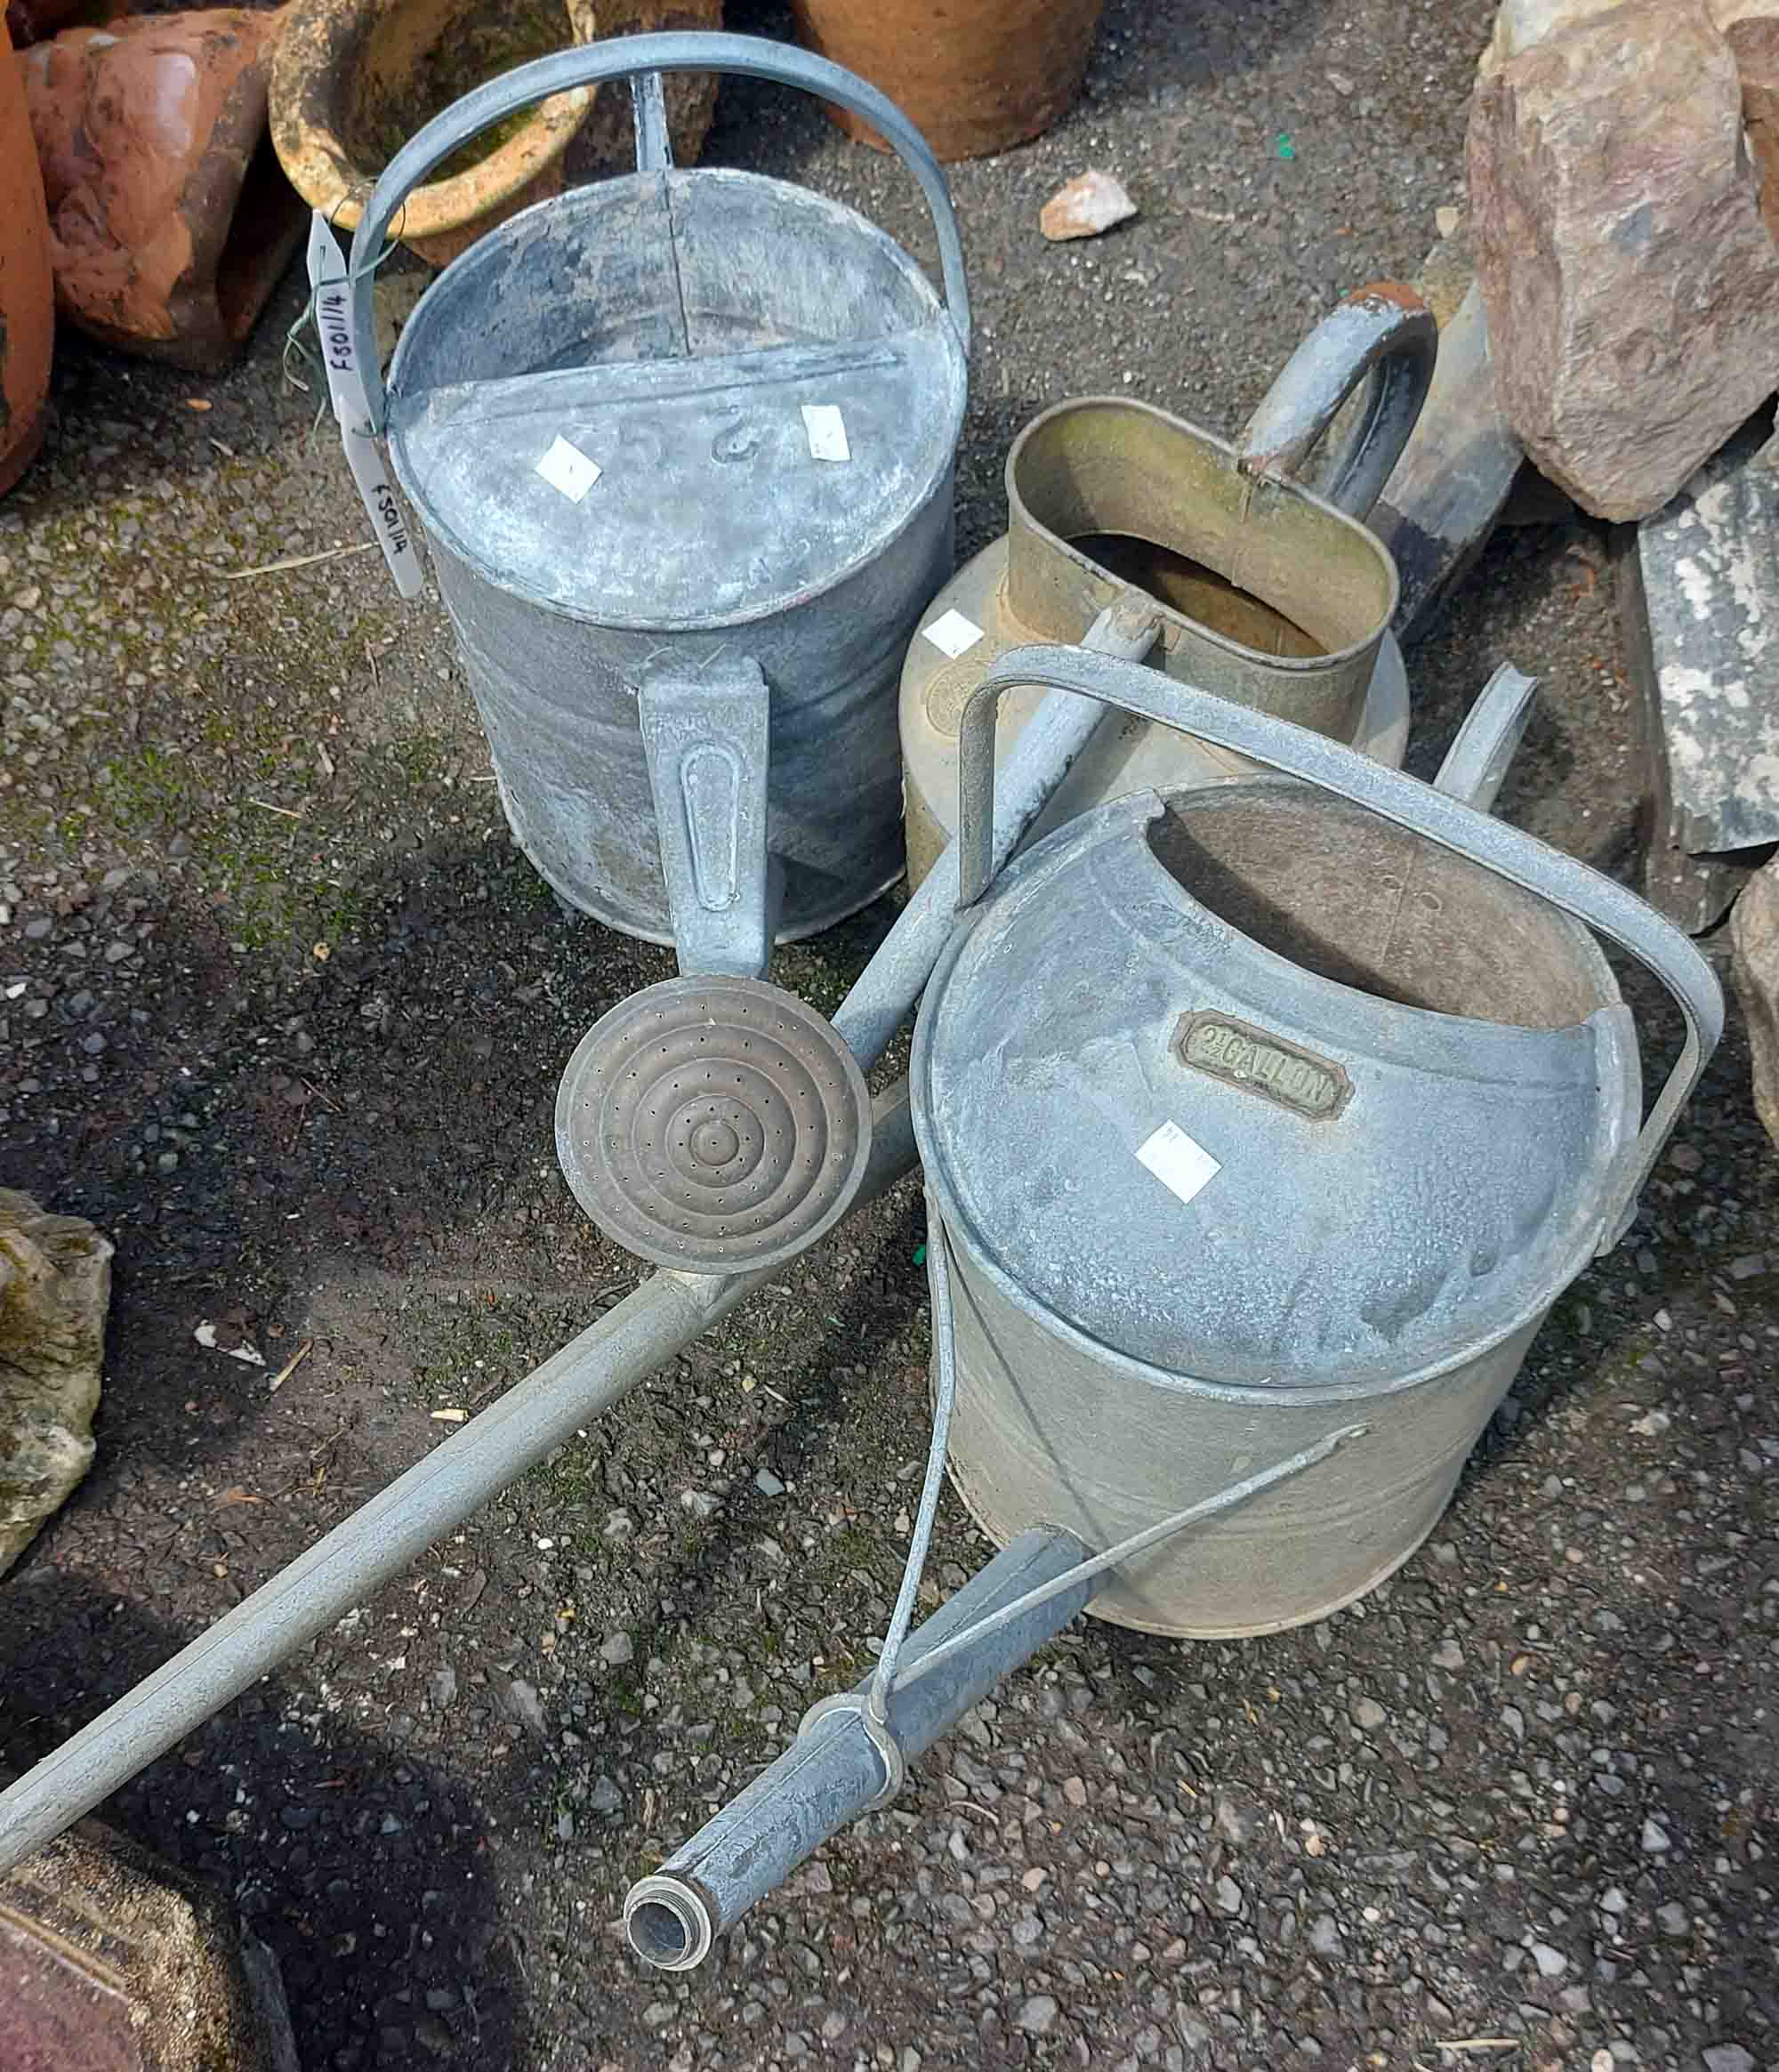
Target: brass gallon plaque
[1249,1058]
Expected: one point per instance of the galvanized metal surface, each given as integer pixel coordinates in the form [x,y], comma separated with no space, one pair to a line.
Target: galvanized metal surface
[1267,595]
[1226,1148]
[1270,598]
[713,1125]
[668,435]
[1061,730]
[1382,334]
[546,1410]
[833,1772]
[587,1378]
[1125,754]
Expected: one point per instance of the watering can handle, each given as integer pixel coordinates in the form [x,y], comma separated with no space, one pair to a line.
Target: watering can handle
[640,58]
[1578,891]
[1383,334]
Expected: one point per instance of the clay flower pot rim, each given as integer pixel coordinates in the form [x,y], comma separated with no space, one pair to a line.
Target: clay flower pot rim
[312,159]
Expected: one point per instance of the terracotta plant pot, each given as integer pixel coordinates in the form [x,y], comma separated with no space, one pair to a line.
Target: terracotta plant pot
[170,223]
[353,80]
[26,297]
[974,77]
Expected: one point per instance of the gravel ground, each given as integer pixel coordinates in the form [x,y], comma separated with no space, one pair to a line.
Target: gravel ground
[282,1010]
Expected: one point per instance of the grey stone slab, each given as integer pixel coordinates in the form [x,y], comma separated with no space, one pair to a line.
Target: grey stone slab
[1708,565]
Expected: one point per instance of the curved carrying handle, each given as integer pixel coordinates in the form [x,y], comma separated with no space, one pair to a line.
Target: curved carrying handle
[628,56]
[1578,891]
[1384,333]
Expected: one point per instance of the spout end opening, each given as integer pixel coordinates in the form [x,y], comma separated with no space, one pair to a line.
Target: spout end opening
[669,1926]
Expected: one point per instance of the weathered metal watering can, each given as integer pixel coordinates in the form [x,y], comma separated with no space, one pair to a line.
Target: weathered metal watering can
[1267,591]
[682,443]
[1255,1111]
[1262,1124]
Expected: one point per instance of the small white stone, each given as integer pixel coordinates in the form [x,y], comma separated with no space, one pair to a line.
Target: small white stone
[1091,202]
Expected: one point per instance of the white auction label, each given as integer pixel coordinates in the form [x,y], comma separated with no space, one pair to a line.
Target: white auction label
[826,428]
[1180,1162]
[952,634]
[567,468]
[353,409]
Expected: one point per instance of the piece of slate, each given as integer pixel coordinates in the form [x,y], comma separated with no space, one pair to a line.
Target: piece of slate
[1699,599]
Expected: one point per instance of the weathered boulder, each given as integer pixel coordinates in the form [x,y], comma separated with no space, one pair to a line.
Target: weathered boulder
[55,1283]
[1521,23]
[1631,289]
[111,1962]
[1754,932]
[1752,29]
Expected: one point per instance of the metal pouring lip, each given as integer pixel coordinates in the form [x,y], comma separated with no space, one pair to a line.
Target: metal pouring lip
[1024,520]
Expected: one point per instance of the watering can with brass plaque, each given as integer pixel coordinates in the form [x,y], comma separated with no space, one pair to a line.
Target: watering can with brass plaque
[1261,1111]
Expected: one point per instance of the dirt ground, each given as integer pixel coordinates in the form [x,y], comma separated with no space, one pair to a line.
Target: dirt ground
[283,1010]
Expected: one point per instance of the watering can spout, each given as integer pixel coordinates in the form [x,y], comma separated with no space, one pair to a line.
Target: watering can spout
[844,1762]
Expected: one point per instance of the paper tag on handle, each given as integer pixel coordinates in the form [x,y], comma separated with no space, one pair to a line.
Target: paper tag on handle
[353,409]
[395,535]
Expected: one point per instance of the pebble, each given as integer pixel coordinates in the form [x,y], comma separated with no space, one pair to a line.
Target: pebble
[1673,1918]
[1448,1655]
[1655,1841]
[528,1707]
[616,1649]
[700,1502]
[1238,1817]
[443,1688]
[767,1483]
[1551,1963]
[1746,1268]
[1091,202]
[1368,1713]
[1075,1791]
[1728,2058]
[1325,1936]
[1226,1896]
[1038,2016]
[35,931]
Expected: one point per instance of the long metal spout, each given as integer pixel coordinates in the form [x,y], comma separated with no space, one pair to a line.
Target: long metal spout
[838,1768]
[589,1377]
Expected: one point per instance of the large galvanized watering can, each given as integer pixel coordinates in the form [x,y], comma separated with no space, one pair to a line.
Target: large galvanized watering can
[1255,1112]
[1267,585]
[682,443]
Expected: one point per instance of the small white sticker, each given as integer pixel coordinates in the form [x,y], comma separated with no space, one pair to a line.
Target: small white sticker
[826,428]
[952,634]
[567,468]
[1177,1161]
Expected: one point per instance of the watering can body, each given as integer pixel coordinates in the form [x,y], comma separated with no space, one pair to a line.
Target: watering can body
[1252,1114]
[682,445]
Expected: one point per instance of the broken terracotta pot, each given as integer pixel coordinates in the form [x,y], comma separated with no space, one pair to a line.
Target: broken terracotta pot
[26,301]
[170,223]
[353,80]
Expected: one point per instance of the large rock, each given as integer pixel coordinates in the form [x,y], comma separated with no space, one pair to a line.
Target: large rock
[111,1962]
[1631,289]
[55,1282]
[1752,29]
[1754,931]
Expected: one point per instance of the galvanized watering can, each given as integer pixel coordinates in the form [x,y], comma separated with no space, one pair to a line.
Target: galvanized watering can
[1259,1111]
[1268,592]
[682,443]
